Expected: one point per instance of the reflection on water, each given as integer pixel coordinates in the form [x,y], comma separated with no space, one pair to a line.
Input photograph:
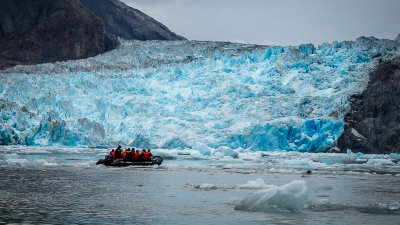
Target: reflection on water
[64,193]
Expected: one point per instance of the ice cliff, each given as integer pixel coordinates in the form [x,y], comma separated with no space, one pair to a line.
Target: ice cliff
[188,94]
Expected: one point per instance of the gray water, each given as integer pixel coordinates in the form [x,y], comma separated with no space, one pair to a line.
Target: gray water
[64,193]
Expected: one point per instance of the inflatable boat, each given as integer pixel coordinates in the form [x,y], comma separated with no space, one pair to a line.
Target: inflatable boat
[109,161]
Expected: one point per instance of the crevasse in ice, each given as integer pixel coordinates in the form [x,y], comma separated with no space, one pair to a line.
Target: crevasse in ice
[185,94]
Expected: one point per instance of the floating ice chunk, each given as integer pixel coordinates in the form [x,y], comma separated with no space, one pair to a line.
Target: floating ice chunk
[380,162]
[202,148]
[165,154]
[50,164]
[391,206]
[17,162]
[359,154]
[196,155]
[394,206]
[291,197]
[253,184]
[206,186]
[350,153]
[225,151]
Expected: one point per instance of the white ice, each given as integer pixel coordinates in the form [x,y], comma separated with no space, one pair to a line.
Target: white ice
[291,197]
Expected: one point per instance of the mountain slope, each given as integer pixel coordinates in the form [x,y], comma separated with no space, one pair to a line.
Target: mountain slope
[129,23]
[373,123]
[49,30]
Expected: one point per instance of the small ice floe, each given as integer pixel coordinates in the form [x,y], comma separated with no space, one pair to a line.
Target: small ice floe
[253,184]
[207,186]
[391,206]
[291,197]
[50,164]
[381,162]
[166,154]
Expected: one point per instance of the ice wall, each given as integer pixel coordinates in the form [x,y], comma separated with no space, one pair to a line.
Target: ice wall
[187,93]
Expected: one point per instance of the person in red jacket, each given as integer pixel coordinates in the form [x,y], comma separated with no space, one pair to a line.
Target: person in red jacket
[148,155]
[143,155]
[137,155]
[112,153]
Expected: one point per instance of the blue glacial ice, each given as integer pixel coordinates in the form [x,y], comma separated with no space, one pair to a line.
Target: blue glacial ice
[211,96]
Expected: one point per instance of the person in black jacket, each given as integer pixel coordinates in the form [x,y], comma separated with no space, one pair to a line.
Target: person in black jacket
[129,155]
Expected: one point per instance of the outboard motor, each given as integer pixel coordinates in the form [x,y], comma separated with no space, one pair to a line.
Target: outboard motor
[106,161]
[156,160]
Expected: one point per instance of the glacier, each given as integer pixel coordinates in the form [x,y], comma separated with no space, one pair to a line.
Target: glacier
[209,96]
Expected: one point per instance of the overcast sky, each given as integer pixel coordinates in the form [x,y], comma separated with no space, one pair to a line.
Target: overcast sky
[275,22]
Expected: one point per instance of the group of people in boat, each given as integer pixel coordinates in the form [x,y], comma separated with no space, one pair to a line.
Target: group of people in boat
[130,154]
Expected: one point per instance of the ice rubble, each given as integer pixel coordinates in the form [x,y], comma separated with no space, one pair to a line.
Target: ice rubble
[247,161]
[291,197]
[188,94]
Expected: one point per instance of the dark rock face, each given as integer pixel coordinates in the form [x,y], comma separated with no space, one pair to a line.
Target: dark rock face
[373,123]
[49,30]
[129,23]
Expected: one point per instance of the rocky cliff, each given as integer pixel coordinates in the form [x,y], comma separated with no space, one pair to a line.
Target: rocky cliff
[129,23]
[49,30]
[373,123]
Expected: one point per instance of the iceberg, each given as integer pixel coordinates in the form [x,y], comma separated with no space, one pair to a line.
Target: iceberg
[291,197]
[213,97]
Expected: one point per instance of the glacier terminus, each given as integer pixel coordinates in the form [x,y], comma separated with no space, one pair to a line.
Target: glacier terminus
[191,95]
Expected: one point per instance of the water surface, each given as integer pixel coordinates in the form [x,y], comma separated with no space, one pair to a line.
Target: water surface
[64,186]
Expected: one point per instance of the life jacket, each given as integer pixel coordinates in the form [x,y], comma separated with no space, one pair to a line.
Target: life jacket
[147,155]
[137,155]
[112,154]
[118,154]
[124,153]
[129,155]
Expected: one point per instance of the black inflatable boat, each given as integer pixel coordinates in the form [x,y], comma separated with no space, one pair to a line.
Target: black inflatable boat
[109,161]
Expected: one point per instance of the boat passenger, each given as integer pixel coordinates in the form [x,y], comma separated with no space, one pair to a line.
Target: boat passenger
[143,155]
[118,154]
[148,155]
[124,153]
[112,153]
[137,155]
[128,155]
